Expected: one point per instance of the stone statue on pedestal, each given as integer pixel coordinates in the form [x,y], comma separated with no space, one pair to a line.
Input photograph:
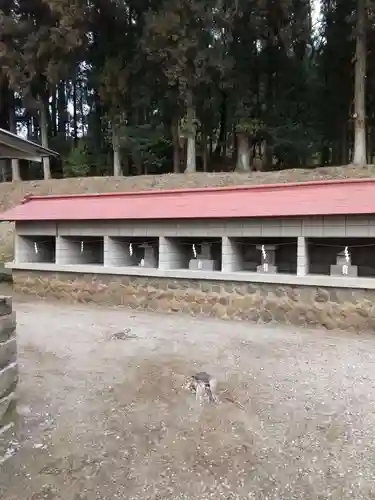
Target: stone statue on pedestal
[268,259]
[343,266]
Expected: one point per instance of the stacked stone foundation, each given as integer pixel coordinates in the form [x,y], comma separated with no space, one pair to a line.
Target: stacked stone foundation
[264,303]
[8,374]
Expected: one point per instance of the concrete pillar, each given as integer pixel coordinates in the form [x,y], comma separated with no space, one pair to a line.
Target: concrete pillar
[117,253]
[67,251]
[230,255]
[302,256]
[171,256]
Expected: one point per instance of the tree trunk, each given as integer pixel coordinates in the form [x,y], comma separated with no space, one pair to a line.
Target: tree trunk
[243,153]
[75,119]
[176,146]
[324,156]
[235,144]
[44,136]
[5,95]
[204,152]
[221,147]
[29,124]
[369,144]
[336,152]
[359,155]
[117,170]
[16,175]
[62,111]
[267,157]
[83,96]
[54,115]
[138,166]
[344,143]
[126,166]
[191,164]
[97,120]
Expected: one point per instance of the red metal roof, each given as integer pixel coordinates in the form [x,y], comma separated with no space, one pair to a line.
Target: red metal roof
[337,197]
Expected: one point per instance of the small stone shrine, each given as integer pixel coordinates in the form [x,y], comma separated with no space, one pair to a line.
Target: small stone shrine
[343,266]
[203,260]
[268,259]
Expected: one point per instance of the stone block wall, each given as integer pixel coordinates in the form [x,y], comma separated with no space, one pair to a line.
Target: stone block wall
[343,308]
[8,373]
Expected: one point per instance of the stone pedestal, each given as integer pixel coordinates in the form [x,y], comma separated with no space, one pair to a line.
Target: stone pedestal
[268,261]
[343,266]
[149,258]
[339,270]
[266,269]
[203,264]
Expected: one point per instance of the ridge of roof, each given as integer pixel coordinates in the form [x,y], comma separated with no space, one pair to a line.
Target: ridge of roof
[211,189]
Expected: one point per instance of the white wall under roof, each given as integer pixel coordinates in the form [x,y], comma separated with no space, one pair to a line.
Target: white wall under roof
[311,227]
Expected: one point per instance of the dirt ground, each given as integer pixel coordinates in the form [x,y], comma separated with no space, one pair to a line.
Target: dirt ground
[103,417]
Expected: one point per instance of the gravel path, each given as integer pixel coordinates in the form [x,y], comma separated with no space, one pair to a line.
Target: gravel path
[104,417]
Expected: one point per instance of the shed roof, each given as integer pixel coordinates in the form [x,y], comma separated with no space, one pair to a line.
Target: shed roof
[338,197]
[13,146]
